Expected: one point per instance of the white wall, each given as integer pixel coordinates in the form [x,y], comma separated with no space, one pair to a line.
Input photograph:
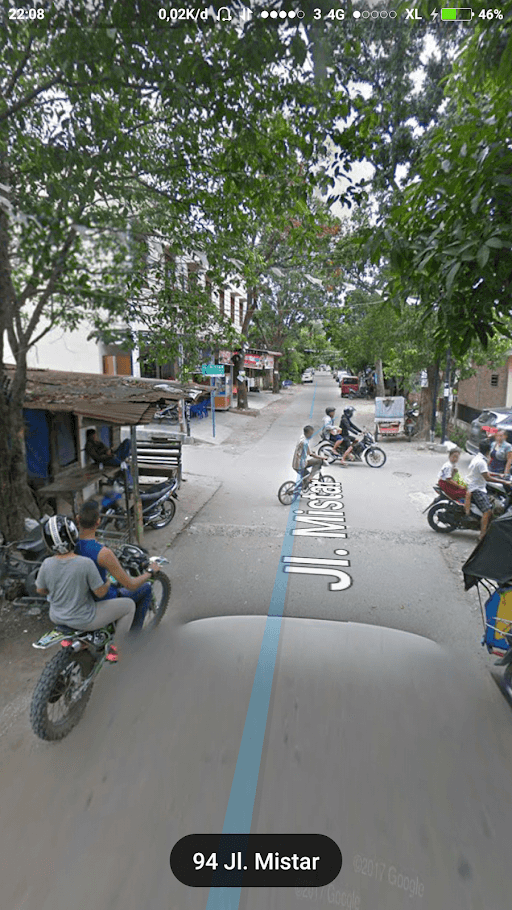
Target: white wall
[65,350]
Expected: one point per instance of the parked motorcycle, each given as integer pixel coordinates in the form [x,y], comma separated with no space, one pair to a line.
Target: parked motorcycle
[364,447]
[411,424]
[158,506]
[19,565]
[363,392]
[446,514]
[167,415]
[65,685]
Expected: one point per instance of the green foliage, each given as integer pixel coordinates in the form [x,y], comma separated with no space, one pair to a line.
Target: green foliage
[448,233]
[459,437]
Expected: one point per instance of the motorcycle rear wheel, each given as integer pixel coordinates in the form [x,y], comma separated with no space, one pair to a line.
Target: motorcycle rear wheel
[327,449]
[167,513]
[375,457]
[63,674]
[441,520]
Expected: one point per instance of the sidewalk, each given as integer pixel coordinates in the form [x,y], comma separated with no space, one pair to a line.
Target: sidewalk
[201,429]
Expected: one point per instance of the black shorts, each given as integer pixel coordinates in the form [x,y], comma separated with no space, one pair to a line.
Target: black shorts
[481,500]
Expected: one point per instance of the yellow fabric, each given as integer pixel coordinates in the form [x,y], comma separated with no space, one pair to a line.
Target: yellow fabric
[503,614]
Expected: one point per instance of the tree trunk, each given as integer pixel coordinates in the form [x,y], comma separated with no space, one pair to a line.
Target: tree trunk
[427,401]
[241,386]
[15,495]
[380,379]
[241,395]
[16,498]
[275,383]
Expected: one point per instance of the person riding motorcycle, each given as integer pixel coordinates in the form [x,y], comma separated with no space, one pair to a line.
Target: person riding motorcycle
[330,431]
[137,588]
[70,582]
[347,427]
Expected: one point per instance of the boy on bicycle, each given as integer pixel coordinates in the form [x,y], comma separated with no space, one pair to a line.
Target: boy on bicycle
[304,458]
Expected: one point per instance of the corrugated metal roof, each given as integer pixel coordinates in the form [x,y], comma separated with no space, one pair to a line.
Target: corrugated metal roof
[123,400]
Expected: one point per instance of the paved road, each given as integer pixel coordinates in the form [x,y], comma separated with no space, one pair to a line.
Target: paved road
[393,746]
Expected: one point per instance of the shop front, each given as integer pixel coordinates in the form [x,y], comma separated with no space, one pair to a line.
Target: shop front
[258,366]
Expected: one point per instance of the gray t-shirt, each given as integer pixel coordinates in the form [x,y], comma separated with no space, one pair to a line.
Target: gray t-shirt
[70,583]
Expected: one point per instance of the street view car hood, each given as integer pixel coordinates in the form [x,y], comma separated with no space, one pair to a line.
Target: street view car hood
[373,738]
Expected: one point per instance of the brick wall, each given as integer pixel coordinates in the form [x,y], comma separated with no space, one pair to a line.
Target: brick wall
[478,392]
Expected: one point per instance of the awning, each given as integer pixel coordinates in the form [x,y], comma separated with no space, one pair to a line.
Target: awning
[121,400]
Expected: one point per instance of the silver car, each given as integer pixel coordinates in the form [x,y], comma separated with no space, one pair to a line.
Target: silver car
[492,417]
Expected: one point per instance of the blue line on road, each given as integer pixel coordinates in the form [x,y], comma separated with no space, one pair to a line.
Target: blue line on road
[238,818]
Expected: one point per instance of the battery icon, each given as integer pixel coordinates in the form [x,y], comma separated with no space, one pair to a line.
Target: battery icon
[456,15]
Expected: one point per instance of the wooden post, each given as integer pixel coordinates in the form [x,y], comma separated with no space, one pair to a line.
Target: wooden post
[137,504]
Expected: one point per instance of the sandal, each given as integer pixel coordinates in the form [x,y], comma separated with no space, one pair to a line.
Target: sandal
[112,654]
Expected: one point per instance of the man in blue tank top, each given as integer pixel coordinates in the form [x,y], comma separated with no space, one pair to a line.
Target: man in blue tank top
[138,588]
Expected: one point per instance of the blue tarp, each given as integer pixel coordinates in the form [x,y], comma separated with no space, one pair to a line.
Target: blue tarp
[37,444]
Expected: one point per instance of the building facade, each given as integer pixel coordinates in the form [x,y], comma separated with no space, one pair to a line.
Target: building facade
[489,387]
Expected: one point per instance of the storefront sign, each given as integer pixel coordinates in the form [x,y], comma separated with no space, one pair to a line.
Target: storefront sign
[251,361]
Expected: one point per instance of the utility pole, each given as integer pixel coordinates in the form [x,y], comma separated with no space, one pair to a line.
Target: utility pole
[446,393]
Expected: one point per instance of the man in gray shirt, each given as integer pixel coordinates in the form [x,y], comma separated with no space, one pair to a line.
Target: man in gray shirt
[70,582]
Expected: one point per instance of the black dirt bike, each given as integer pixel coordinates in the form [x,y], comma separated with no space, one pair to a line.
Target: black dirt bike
[65,685]
[292,490]
[365,447]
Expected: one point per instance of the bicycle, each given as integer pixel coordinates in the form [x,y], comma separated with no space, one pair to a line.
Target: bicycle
[292,490]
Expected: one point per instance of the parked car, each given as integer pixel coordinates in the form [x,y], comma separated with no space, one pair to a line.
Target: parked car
[495,417]
[349,384]
[308,376]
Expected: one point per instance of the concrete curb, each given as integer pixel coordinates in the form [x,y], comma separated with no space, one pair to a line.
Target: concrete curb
[437,447]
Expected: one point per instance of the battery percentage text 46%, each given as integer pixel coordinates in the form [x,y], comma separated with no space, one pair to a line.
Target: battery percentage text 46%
[490,14]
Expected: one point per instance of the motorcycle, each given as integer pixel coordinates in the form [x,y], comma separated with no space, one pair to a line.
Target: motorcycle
[19,564]
[167,415]
[65,685]
[364,447]
[158,506]
[411,425]
[446,514]
[363,392]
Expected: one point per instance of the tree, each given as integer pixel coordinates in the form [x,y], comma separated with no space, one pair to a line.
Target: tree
[448,233]
[115,125]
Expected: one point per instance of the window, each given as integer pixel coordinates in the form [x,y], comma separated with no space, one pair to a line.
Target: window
[241,311]
[494,379]
[124,364]
[221,303]
[232,307]
[117,364]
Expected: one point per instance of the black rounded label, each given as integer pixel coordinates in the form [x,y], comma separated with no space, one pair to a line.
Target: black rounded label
[255,860]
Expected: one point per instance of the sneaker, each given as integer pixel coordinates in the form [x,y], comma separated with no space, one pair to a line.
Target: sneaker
[111,655]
